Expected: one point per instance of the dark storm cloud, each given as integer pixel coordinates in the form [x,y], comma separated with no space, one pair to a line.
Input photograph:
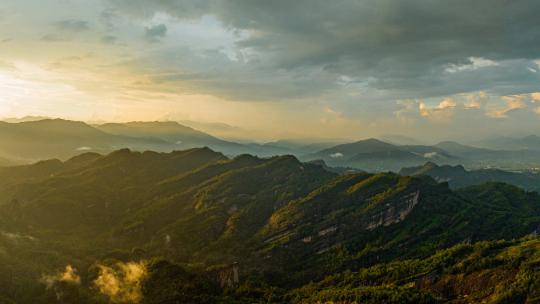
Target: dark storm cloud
[402,46]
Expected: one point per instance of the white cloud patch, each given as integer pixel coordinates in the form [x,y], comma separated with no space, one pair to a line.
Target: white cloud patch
[431,154]
[336,155]
[442,112]
[475,63]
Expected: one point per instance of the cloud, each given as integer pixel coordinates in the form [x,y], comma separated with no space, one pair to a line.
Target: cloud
[336,155]
[447,103]
[406,113]
[535,97]
[513,103]
[191,71]
[356,57]
[154,33]
[84,148]
[442,112]
[68,275]
[475,63]
[417,49]
[122,281]
[537,110]
[475,100]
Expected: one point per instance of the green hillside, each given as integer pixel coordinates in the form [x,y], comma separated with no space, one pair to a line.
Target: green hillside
[186,217]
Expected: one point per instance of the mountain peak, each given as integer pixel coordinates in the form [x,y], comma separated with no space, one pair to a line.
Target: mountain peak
[430,165]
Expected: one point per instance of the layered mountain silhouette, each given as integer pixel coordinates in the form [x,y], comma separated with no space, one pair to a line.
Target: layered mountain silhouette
[375,155]
[458,176]
[34,139]
[57,138]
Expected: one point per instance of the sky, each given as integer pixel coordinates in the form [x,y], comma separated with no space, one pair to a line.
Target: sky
[432,70]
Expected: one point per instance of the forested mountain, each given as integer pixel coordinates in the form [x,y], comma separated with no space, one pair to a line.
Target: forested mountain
[236,230]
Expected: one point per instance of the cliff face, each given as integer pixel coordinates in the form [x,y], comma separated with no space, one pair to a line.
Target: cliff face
[227,276]
[395,213]
[361,201]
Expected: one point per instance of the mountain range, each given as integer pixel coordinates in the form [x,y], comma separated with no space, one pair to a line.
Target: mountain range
[247,229]
[375,155]
[35,139]
[458,177]
[531,142]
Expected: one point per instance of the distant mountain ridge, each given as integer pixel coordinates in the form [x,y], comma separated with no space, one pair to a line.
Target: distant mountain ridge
[458,176]
[175,134]
[57,138]
[375,155]
[530,142]
[33,140]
